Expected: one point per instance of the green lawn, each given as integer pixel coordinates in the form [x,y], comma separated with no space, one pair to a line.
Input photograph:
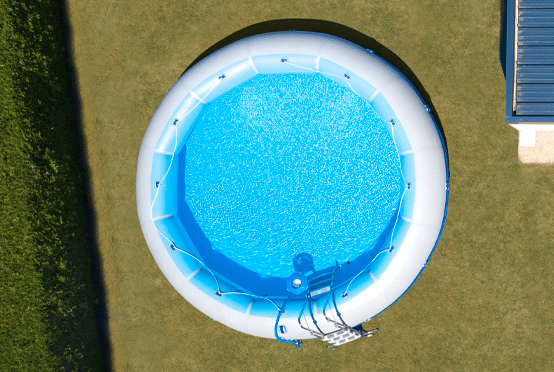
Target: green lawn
[485,300]
[47,320]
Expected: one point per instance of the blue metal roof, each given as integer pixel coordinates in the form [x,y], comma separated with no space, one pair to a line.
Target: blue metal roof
[529,61]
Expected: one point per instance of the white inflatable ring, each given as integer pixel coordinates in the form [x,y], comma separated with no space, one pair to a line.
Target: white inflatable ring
[421,216]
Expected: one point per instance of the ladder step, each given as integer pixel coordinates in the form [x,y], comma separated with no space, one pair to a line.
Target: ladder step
[320,291]
[319,279]
[341,337]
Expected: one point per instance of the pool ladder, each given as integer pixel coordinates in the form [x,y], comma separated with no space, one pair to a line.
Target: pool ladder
[344,333]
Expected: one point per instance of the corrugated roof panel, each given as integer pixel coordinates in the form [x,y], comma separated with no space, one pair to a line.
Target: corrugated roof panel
[535,55]
[536,17]
[534,108]
[536,4]
[535,74]
[538,36]
[535,93]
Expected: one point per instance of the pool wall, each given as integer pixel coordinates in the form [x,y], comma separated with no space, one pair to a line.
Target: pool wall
[422,158]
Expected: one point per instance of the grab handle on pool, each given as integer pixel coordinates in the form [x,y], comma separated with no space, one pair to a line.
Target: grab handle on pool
[298,343]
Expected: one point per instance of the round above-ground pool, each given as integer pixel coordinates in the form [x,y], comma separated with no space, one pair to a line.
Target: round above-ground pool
[292,185]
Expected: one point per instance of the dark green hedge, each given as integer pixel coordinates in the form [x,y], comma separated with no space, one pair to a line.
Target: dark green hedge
[47,320]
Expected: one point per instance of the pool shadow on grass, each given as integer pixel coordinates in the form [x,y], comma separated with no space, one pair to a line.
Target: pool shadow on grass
[335,29]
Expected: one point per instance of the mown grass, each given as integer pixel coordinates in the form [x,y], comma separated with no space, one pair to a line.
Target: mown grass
[47,320]
[484,301]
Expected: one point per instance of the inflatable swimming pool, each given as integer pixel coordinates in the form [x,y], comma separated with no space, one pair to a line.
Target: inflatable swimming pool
[329,302]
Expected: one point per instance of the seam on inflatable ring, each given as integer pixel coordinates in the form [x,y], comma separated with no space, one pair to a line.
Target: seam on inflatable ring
[249,308]
[161,217]
[373,276]
[373,97]
[419,223]
[418,150]
[253,65]
[197,98]
[163,152]
[188,278]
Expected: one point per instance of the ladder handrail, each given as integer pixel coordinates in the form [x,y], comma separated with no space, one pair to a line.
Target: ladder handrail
[298,343]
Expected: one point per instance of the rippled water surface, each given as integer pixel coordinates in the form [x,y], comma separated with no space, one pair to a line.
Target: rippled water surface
[292,163]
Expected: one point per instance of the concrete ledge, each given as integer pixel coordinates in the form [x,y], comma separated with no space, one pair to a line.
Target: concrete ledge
[536,143]
[542,152]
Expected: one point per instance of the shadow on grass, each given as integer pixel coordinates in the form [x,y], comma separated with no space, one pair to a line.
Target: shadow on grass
[502,45]
[335,29]
[100,309]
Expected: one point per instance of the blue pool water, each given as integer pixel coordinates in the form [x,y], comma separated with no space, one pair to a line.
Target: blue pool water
[290,164]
